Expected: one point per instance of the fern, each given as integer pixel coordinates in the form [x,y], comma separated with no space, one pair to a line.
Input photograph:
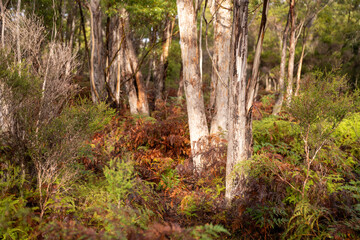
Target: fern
[304,222]
[209,232]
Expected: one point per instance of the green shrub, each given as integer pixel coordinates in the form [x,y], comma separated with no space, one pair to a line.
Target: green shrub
[56,147]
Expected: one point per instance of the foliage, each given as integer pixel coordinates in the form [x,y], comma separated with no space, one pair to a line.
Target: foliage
[15,216]
[209,231]
[119,180]
[305,222]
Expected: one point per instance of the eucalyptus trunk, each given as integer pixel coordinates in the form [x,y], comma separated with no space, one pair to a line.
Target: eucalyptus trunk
[221,57]
[115,42]
[97,58]
[281,82]
[71,24]
[18,50]
[192,79]
[136,79]
[163,62]
[240,136]
[256,65]
[3,6]
[292,45]
[298,76]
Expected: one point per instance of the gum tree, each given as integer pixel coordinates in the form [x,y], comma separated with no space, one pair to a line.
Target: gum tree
[192,78]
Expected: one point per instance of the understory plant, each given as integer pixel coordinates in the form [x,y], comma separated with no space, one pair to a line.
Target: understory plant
[307,166]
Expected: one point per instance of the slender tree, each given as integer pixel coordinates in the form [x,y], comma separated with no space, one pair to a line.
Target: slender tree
[163,61]
[256,65]
[292,45]
[3,6]
[281,81]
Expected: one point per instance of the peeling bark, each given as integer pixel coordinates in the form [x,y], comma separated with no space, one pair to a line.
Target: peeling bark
[97,58]
[192,79]
[115,42]
[221,57]
[240,135]
[136,83]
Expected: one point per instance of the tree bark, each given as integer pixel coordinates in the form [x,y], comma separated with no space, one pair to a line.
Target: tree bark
[136,82]
[70,24]
[240,136]
[180,92]
[221,56]
[115,41]
[87,55]
[97,58]
[18,50]
[281,82]
[3,7]
[192,79]
[292,45]
[163,62]
[300,66]
[255,68]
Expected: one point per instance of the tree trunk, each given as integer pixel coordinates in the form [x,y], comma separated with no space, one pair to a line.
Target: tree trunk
[240,136]
[163,63]
[192,79]
[267,83]
[221,56]
[292,45]
[180,92]
[3,7]
[70,24]
[97,58]
[114,59]
[152,59]
[61,30]
[300,64]
[281,82]
[255,68]
[130,57]
[18,50]
[87,55]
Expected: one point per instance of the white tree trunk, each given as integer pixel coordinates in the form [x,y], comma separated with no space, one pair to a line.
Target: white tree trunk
[192,79]
[239,139]
[220,79]
[292,45]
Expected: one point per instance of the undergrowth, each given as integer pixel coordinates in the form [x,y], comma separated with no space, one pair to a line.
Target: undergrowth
[135,180]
